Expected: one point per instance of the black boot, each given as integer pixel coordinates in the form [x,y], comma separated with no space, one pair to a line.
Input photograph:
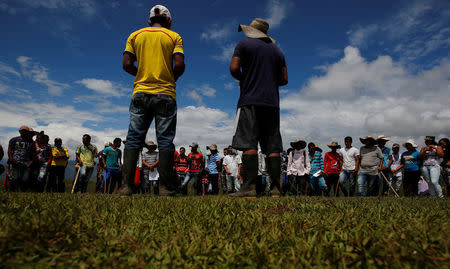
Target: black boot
[167,181]
[274,169]
[250,175]
[130,158]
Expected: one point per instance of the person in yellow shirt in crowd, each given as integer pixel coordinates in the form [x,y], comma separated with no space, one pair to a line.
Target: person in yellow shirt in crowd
[160,57]
[58,167]
[85,157]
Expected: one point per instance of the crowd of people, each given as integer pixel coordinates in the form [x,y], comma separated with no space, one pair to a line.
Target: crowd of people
[374,169]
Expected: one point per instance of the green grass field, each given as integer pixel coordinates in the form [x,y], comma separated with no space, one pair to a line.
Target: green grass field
[64,230]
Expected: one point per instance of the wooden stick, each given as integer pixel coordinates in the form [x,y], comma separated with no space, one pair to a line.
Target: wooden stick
[76,179]
[389,183]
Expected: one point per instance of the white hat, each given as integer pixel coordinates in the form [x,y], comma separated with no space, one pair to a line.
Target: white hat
[410,141]
[159,10]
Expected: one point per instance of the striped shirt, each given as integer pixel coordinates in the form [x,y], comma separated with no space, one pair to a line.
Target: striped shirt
[316,163]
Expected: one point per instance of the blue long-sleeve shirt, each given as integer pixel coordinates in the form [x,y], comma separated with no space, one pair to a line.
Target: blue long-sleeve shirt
[316,163]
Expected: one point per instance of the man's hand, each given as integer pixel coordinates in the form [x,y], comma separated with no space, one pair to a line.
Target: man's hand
[179,66]
[128,63]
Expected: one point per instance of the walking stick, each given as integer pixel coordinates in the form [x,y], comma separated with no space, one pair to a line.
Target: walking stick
[104,176]
[76,179]
[389,183]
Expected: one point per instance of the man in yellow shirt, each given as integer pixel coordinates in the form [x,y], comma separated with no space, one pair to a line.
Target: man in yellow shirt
[58,168]
[160,57]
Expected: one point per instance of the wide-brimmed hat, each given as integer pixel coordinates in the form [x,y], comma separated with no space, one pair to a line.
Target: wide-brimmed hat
[364,139]
[151,144]
[212,147]
[410,141]
[382,137]
[429,138]
[300,142]
[257,29]
[333,144]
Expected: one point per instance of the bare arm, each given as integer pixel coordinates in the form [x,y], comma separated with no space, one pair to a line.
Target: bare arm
[235,68]
[179,65]
[283,80]
[128,63]
[439,151]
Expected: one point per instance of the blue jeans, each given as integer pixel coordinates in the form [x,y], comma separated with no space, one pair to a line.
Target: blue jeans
[372,184]
[112,177]
[431,173]
[197,184]
[145,107]
[347,176]
[317,185]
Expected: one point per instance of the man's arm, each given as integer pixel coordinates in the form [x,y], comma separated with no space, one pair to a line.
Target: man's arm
[235,68]
[128,63]
[179,66]
[283,80]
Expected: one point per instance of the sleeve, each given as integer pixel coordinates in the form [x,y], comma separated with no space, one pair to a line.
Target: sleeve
[380,154]
[129,47]
[356,152]
[289,164]
[321,162]
[179,47]
[95,150]
[78,151]
[308,162]
[238,50]
[11,142]
[239,161]
[67,153]
[325,162]
[282,61]
[157,156]
[390,152]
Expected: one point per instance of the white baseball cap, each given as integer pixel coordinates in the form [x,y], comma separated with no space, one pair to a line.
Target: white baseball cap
[159,10]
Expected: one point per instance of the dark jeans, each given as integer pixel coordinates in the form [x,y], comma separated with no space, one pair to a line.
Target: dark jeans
[19,178]
[372,184]
[332,180]
[411,182]
[297,185]
[214,180]
[112,177]
[56,179]
[197,183]
[145,107]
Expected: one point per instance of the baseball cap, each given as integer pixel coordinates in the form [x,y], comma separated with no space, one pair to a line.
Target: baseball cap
[193,145]
[25,128]
[159,10]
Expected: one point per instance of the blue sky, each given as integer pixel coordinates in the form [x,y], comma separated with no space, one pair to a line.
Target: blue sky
[355,67]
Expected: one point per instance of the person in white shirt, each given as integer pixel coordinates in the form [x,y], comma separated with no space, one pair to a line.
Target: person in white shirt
[298,168]
[396,181]
[232,164]
[350,164]
[263,177]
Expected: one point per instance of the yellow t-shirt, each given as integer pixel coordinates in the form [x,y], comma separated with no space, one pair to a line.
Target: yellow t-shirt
[59,152]
[154,48]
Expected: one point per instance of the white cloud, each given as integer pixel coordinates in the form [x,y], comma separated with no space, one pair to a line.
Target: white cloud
[204,90]
[104,87]
[207,90]
[6,71]
[226,53]
[231,85]
[358,97]
[217,32]
[416,30]
[38,73]
[277,11]
[84,7]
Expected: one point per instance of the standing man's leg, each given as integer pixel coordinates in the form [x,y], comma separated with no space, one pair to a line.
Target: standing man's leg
[141,116]
[165,125]
[343,180]
[362,184]
[60,174]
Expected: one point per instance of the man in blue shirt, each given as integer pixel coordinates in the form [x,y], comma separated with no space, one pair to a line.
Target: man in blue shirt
[113,163]
[385,168]
[260,67]
[214,167]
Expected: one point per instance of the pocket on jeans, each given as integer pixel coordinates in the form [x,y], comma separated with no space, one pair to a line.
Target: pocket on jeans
[137,103]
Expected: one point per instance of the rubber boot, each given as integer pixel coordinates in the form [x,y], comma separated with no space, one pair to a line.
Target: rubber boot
[274,169]
[167,180]
[130,158]
[250,175]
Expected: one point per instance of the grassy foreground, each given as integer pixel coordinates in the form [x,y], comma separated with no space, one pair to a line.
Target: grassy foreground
[43,230]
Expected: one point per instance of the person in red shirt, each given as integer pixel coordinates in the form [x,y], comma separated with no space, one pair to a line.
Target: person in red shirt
[194,167]
[181,165]
[332,168]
